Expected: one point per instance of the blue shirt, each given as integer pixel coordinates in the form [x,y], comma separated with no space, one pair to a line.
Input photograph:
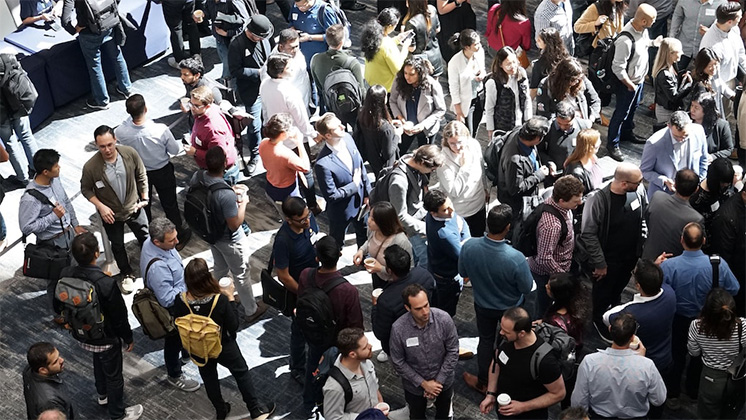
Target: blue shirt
[31,8]
[310,23]
[293,251]
[690,276]
[413,102]
[165,277]
[444,238]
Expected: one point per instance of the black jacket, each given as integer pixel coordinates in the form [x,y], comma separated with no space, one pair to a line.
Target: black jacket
[504,115]
[517,177]
[379,146]
[557,145]
[669,93]
[719,139]
[588,101]
[245,58]
[729,235]
[44,393]
[225,314]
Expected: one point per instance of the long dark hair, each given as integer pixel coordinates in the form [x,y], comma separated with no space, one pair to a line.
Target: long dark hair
[497,69]
[419,66]
[198,279]
[516,9]
[374,110]
[386,217]
[701,61]
[371,38]
[611,7]
[418,7]
[719,172]
[710,109]
[563,78]
[568,293]
[554,48]
[718,317]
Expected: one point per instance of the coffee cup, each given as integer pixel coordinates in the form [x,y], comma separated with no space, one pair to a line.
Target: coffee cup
[635,344]
[184,102]
[376,293]
[383,407]
[199,16]
[503,400]
[369,262]
[225,282]
[242,191]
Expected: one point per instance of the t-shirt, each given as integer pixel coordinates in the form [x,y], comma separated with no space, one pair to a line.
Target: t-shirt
[515,375]
[282,164]
[31,8]
[225,201]
[293,251]
[624,227]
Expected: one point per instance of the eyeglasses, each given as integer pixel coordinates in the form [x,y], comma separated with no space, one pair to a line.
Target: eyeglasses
[301,221]
[635,183]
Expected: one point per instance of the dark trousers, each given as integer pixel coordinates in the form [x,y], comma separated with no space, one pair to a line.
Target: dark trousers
[232,359]
[378,283]
[284,5]
[138,224]
[474,114]
[607,291]
[418,404]
[679,336]
[477,223]
[312,393]
[660,27]
[178,16]
[63,241]
[595,416]
[487,323]
[338,228]
[308,191]
[541,300]
[297,348]
[447,293]
[407,140]
[164,181]
[622,121]
[107,371]
[171,349]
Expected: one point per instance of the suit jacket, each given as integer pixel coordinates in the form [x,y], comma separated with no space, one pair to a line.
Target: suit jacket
[343,197]
[657,161]
[430,109]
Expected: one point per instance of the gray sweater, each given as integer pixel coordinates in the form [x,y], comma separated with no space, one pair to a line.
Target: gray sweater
[38,218]
[405,194]
[631,59]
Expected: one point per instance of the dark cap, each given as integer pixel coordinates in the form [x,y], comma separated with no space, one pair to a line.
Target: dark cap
[260,26]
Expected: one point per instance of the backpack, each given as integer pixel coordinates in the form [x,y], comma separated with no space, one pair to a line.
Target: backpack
[556,341]
[380,191]
[600,61]
[82,309]
[155,320]
[342,93]
[315,314]
[200,335]
[525,239]
[326,370]
[102,15]
[492,154]
[341,18]
[198,209]
[16,87]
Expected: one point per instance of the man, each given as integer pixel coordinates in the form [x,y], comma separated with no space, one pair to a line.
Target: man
[178,17]
[660,26]
[407,184]
[92,41]
[231,251]
[554,252]
[559,142]
[690,276]
[211,129]
[630,65]
[619,382]
[107,352]
[334,59]
[681,145]
[155,144]
[289,43]
[163,272]
[668,214]
[556,14]
[510,371]
[446,231]
[233,18]
[354,363]
[43,388]
[345,302]
[653,307]
[52,225]
[501,279]
[388,307]
[247,54]
[424,351]
[725,39]
[521,171]
[728,231]
[192,71]
[616,211]
[691,19]
[115,182]
[343,180]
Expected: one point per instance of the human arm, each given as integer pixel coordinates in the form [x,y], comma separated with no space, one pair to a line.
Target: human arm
[334,402]
[450,342]
[490,100]
[581,395]
[30,223]
[519,180]
[622,54]
[456,180]
[115,311]
[236,65]
[390,146]
[594,101]
[692,345]
[588,22]
[159,279]
[398,198]
[68,8]
[141,178]
[727,279]
[172,146]
[555,393]
[656,387]
[528,106]
[488,403]
[396,111]
[676,20]
[283,274]
[235,222]
[327,184]
[725,144]
[438,110]
[648,165]
[525,29]
[590,232]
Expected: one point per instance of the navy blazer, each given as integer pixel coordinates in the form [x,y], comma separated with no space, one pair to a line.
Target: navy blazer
[343,197]
[657,162]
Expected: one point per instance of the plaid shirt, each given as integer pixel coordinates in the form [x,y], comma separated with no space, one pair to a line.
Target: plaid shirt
[94,348]
[551,256]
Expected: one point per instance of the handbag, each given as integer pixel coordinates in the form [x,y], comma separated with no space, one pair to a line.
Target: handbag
[274,293]
[737,369]
[41,260]
[519,53]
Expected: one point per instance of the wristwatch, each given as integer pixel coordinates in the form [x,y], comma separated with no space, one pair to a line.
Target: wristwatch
[494,394]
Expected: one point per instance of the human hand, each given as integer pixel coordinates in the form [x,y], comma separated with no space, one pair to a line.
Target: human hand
[319,138]
[601,20]
[432,387]
[107,215]
[512,409]
[130,346]
[460,116]
[357,259]
[79,230]
[46,17]
[79,28]
[552,168]
[544,170]
[487,404]
[668,183]
[59,210]
[600,273]
[221,32]
[377,267]
[190,150]
[141,204]
[702,29]
[663,257]
[229,291]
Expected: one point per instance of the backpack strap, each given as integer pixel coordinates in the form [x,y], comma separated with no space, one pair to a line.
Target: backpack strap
[183,297]
[145,274]
[536,358]
[715,262]
[44,200]
[214,303]
[322,13]
[632,51]
[548,208]
[342,380]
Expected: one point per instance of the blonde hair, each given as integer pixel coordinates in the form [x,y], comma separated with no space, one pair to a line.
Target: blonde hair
[585,145]
[454,129]
[663,58]
[203,94]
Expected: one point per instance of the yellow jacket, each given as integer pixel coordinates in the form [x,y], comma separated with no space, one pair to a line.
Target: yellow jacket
[586,23]
[382,69]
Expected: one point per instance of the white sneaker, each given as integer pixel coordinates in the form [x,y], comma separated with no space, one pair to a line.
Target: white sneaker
[127,285]
[133,413]
[3,244]
[382,357]
[103,400]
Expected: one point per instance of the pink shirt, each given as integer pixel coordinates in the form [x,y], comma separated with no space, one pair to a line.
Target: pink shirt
[516,34]
[212,129]
[281,163]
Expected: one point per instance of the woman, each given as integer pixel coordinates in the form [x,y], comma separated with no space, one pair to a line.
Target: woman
[706,67]
[507,102]
[465,75]
[566,82]
[205,297]
[455,16]
[384,230]
[553,51]
[719,139]
[569,308]
[717,335]
[377,135]
[384,56]
[507,25]
[602,19]
[423,21]
[670,88]
[281,163]
[417,101]
[461,176]
[713,190]
[583,164]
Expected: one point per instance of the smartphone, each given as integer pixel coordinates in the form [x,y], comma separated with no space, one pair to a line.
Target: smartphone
[409,35]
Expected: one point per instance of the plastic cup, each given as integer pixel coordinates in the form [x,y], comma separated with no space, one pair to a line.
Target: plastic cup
[225,282]
[184,102]
[376,293]
[383,407]
[503,400]
[242,191]
[635,344]
[199,15]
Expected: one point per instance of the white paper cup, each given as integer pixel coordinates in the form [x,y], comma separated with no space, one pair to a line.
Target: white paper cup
[200,15]
[377,292]
[383,407]
[635,344]
[369,262]
[242,191]
[184,102]
[225,282]
[503,400]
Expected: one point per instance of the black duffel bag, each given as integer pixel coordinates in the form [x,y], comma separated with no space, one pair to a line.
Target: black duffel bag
[45,262]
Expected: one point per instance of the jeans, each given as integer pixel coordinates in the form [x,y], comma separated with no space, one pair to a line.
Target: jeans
[308,191]
[232,359]
[418,404]
[107,371]
[338,228]
[607,291]
[487,322]
[447,293]
[419,249]
[254,131]
[165,182]
[138,224]
[91,45]
[233,256]
[679,337]
[232,174]
[221,44]
[22,128]
[171,349]
[622,121]
[178,16]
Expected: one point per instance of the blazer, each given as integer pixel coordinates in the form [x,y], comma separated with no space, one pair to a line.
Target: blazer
[430,109]
[657,161]
[460,77]
[588,101]
[343,197]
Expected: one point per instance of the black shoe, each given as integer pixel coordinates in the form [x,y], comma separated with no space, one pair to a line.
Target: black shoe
[298,376]
[615,153]
[262,411]
[355,6]
[184,238]
[90,104]
[222,414]
[124,93]
[261,308]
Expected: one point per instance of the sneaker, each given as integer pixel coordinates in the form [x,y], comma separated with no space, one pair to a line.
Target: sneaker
[184,384]
[251,166]
[382,357]
[615,153]
[261,308]
[185,359]
[221,415]
[103,400]
[126,94]
[355,7]
[262,411]
[464,354]
[93,105]
[173,63]
[673,404]
[127,285]
[133,413]
[3,245]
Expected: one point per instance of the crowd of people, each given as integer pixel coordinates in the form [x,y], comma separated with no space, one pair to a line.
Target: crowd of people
[367,134]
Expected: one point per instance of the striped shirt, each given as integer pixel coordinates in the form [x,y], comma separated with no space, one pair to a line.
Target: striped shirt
[558,16]
[552,256]
[716,354]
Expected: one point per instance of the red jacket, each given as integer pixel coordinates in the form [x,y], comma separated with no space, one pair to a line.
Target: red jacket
[517,34]
[212,129]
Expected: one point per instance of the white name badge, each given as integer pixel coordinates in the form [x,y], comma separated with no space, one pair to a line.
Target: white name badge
[413,342]
[635,205]
[574,142]
[715,206]
[710,12]
[503,357]
[99,184]
[198,141]
[295,16]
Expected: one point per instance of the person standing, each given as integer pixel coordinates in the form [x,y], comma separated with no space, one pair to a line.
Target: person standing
[691,19]
[179,19]
[43,388]
[465,75]
[289,43]
[727,233]
[311,18]
[234,18]
[556,14]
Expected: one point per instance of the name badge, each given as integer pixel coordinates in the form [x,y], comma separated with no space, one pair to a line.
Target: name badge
[295,16]
[715,206]
[635,205]
[198,141]
[574,142]
[413,342]
[710,12]
[99,184]
[503,358]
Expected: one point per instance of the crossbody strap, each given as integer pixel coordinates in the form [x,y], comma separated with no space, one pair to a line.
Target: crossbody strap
[44,200]
[214,303]
[145,275]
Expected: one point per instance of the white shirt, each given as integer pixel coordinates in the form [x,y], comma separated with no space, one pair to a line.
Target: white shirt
[461,73]
[729,48]
[299,75]
[279,95]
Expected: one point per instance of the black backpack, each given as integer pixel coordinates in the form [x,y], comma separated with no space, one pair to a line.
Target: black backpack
[315,314]
[342,93]
[16,88]
[556,341]
[341,18]
[380,191]
[492,154]
[525,239]
[102,15]
[600,61]
[199,209]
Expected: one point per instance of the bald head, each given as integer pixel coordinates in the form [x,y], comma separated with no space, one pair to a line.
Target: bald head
[645,15]
[627,172]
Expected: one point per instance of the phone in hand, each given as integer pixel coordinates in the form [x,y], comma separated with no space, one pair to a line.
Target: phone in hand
[409,35]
